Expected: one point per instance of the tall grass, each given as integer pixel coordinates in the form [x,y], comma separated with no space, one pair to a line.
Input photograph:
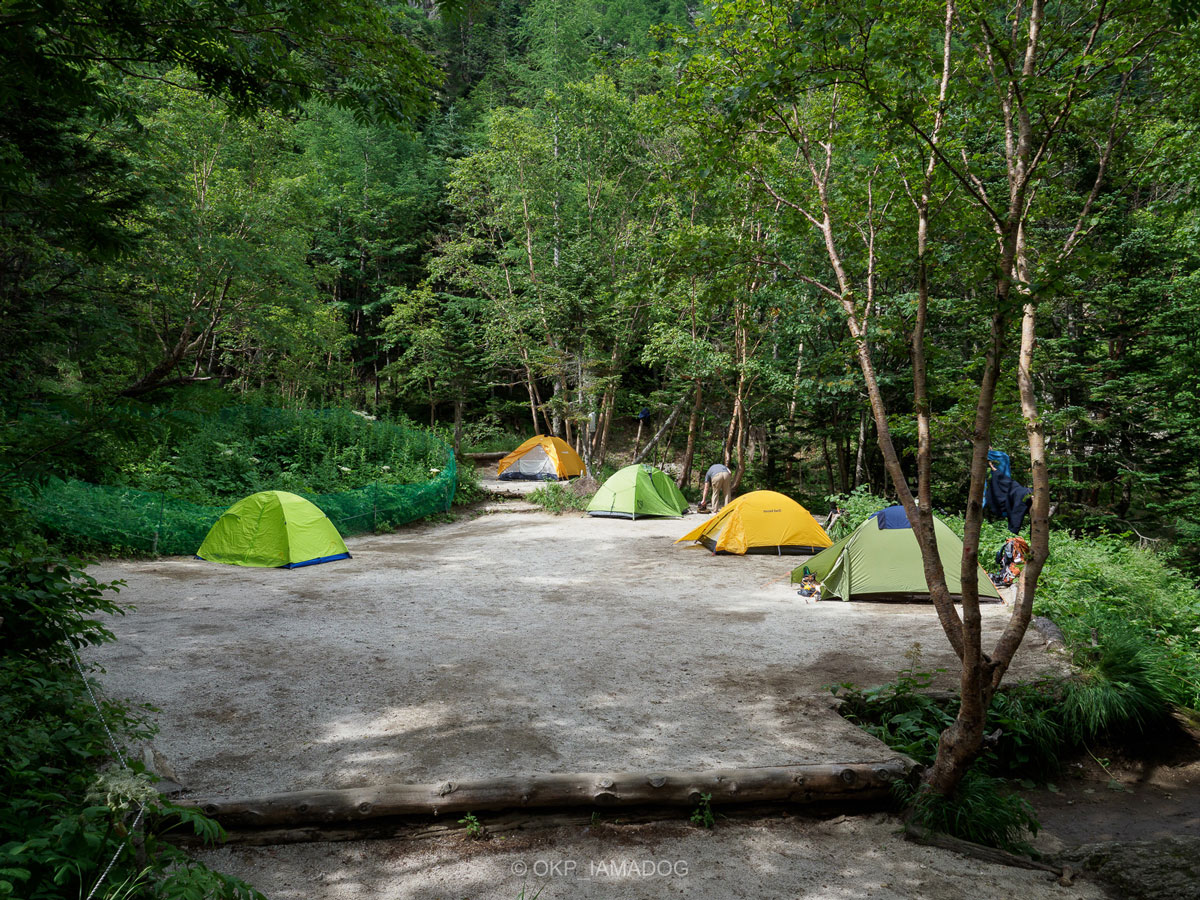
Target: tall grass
[558,499]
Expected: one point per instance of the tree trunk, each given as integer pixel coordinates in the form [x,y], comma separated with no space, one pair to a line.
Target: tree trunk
[795,388]
[533,410]
[661,431]
[828,464]
[606,426]
[741,447]
[689,454]
[860,455]
[458,422]
[843,465]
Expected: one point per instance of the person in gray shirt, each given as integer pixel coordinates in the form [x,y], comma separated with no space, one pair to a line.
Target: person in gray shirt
[719,480]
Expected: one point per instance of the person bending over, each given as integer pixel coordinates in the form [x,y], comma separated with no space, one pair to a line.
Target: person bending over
[719,480]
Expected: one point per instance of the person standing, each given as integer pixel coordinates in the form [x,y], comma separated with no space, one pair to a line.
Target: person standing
[719,480]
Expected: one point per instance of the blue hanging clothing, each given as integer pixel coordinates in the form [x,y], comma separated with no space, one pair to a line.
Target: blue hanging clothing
[1007,499]
[1000,458]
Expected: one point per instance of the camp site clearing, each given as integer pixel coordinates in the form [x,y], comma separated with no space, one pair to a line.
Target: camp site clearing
[504,644]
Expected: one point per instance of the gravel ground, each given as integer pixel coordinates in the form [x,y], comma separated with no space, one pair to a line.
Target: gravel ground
[507,644]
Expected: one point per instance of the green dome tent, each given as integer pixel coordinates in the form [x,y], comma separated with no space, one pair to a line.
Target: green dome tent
[881,560]
[638,490]
[273,529]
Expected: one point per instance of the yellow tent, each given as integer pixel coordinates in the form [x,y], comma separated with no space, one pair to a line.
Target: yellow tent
[761,522]
[541,458]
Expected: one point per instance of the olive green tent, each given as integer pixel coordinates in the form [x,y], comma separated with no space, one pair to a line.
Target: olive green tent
[273,528]
[881,560]
[638,490]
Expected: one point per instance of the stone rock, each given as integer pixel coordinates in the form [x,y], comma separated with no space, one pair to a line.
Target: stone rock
[1166,869]
[584,486]
[1051,633]
[169,783]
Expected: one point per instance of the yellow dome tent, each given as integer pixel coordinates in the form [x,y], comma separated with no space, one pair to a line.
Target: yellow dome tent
[761,522]
[541,458]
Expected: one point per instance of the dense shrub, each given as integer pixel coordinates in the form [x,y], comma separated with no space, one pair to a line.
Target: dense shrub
[364,475]
[856,507]
[70,805]
[216,459]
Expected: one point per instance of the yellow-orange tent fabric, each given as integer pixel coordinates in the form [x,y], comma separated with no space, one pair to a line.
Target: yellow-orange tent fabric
[761,522]
[541,457]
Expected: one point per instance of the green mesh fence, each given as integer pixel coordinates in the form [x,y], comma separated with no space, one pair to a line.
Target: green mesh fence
[157,523]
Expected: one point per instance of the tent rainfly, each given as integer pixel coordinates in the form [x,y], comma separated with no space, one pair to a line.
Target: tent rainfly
[541,458]
[761,522]
[881,560]
[638,490]
[273,529]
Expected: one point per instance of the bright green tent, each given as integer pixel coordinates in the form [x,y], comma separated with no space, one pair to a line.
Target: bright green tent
[273,528]
[638,490]
[881,560]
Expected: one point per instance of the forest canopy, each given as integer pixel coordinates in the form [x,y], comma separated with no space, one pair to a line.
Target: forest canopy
[526,216]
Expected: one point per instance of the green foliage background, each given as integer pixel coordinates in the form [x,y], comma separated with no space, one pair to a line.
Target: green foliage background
[174,481]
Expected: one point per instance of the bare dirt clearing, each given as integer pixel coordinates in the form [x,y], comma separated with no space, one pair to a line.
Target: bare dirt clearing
[509,644]
[504,644]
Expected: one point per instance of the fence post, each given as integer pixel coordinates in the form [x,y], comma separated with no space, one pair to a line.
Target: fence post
[374,506]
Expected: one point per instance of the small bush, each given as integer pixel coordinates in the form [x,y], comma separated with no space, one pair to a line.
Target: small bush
[856,507]
[558,499]
[703,815]
[1121,689]
[468,490]
[982,810]
[48,605]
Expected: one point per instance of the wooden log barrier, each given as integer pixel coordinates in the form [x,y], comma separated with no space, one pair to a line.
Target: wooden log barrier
[767,784]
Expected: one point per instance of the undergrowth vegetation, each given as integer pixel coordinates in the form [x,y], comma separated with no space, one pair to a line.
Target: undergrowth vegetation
[71,803]
[1132,624]
[246,449]
[154,484]
[558,499]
